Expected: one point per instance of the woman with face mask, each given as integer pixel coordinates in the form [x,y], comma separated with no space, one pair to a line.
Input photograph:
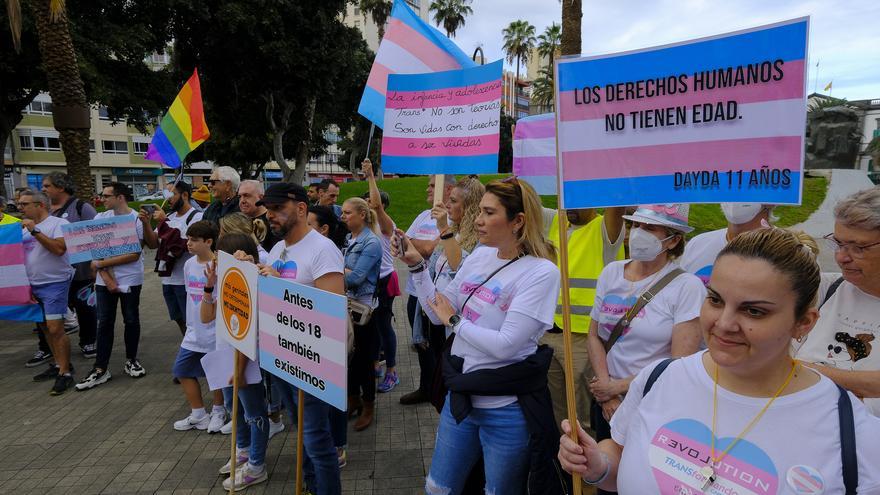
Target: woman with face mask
[664,327]
[701,251]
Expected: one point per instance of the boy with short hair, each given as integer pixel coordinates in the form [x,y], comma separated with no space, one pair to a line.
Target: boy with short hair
[199,338]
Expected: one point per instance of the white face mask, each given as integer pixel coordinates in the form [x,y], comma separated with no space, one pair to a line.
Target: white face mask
[740,213]
[643,245]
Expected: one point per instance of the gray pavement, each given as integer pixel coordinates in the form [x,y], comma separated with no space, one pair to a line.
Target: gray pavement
[118,438]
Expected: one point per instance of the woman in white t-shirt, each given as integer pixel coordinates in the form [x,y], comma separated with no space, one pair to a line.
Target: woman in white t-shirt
[499,305]
[665,327]
[743,417]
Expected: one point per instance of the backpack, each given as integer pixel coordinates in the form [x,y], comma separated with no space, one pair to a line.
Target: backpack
[171,247]
[79,208]
[848,454]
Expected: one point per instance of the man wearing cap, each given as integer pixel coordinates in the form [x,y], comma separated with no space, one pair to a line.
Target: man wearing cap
[305,257]
[169,238]
[701,251]
[250,192]
[224,184]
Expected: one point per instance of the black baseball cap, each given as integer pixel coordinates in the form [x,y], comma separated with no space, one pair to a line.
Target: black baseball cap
[282,192]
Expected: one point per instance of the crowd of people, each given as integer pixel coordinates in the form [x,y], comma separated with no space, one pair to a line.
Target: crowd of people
[743,344]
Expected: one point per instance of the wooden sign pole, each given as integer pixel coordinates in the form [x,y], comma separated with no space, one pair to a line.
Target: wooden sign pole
[566,297]
[234,456]
[439,185]
[300,410]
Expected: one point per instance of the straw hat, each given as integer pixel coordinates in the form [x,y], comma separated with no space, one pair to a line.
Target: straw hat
[674,216]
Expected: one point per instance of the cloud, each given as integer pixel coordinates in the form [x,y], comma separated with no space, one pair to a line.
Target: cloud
[843,38]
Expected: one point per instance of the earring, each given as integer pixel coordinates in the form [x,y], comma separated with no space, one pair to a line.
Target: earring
[800,339]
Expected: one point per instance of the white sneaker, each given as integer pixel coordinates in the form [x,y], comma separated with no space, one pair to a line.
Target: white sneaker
[71,323]
[240,462]
[190,422]
[226,430]
[218,420]
[246,477]
[94,379]
[275,428]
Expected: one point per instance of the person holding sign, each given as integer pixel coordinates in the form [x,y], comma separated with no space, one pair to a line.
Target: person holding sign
[122,287]
[49,273]
[743,416]
[499,305]
[646,309]
[308,258]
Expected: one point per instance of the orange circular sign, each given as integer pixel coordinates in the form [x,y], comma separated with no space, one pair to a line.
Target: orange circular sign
[235,300]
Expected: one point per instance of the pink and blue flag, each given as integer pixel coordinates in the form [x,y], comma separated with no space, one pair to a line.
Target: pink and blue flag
[719,119]
[410,46]
[16,302]
[534,152]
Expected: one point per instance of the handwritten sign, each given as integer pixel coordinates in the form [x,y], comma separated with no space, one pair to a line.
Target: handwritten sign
[534,152]
[443,122]
[303,335]
[720,119]
[101,238]
[237,304]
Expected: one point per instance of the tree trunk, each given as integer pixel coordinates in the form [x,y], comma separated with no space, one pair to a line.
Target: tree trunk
[70,110]
[572,13]
[302,156]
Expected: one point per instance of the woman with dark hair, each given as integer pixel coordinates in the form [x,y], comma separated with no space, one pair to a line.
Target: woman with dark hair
[252,434]
[325,221]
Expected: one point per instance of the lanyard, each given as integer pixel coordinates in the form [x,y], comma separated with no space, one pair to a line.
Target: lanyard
[502,267]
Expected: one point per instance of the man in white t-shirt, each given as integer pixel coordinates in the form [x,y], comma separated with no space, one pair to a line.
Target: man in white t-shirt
[844,343]
[50,274]
[119,283]
[701,251]
[424,236]
[306,257]
[169,238]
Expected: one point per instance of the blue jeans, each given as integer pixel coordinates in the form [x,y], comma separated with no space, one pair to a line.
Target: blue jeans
[339,426]
[252,425]
[107,302]
[320,466]
[503,437]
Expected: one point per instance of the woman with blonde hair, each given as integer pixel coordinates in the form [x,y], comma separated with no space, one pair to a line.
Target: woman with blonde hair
[499,304]
[239,223]
[743,416]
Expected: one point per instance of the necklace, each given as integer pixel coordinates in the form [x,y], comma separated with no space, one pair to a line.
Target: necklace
[708,471]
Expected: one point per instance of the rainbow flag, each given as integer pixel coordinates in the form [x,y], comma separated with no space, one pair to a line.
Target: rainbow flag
[16,302]
[410,46]
[183,128]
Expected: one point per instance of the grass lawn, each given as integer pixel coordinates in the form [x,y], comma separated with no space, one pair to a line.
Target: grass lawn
[408,199]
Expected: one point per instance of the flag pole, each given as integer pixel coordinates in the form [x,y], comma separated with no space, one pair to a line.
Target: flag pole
[564,288]
[300,411]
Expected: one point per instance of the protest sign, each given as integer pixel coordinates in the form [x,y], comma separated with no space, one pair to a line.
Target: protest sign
[236,321]
[16,302]
[534,152]
[719,119]
[443,122]
[303,337]
[101,238]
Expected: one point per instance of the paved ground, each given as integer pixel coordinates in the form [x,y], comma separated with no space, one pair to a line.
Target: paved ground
[118,438]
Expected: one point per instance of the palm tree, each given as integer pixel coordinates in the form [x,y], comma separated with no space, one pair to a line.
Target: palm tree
[451,14]
[70,111]
[548,42]
[379,11]
[572,12]
[519,39]
[542,90]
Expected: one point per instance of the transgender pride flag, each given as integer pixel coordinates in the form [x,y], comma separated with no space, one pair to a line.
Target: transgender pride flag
[534,152]
[16,302]
[410,46]
[665,142]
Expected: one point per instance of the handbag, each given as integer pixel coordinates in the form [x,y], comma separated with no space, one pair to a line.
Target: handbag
[360,312]
[625,320]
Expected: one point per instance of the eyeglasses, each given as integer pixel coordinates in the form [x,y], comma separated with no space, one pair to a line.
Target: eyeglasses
[213,181]
[854,250]
[22,204]
[108,196]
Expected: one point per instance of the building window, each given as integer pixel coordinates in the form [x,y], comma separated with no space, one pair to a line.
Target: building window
[140,148]
[357,24]
[91,145]
[25,143]
[39,143]
[35,181]
[115,147]
[103,114]
[357,11]
[39,108]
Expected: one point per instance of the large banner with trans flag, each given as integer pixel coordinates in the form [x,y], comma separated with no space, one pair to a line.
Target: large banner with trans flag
[720,119]
[16,302]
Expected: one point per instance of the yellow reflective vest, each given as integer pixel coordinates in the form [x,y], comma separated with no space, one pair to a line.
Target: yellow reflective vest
[585,263]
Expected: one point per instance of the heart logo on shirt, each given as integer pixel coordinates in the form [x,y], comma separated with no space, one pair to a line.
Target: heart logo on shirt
[285,269]
[681,448]
[616,306]
[704,274]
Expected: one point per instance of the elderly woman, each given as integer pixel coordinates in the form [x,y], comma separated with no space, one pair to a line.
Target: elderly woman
[841,344]
[744,416]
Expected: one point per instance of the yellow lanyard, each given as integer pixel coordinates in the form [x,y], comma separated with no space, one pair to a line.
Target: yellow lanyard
[708,471]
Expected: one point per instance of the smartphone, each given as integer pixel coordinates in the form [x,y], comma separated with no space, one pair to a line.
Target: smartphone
[150,209]
[401,244]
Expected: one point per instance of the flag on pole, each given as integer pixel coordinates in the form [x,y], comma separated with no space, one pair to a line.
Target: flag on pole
[410,46]
[828,86]
[183,128]
[534,152]
[16,302]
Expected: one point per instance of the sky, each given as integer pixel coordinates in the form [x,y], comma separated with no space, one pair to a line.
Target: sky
[844,38]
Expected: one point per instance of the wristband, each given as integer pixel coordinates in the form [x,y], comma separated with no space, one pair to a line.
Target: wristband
[208,290]
[604,475]
[418,267]
[447,236]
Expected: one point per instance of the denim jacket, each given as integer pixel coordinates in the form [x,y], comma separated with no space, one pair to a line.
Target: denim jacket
[363,256]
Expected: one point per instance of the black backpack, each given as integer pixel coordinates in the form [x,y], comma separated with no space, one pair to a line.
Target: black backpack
[848,455]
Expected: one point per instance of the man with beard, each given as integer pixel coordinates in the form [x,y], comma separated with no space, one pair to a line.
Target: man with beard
[250,192]
[170,240]
[305,257]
